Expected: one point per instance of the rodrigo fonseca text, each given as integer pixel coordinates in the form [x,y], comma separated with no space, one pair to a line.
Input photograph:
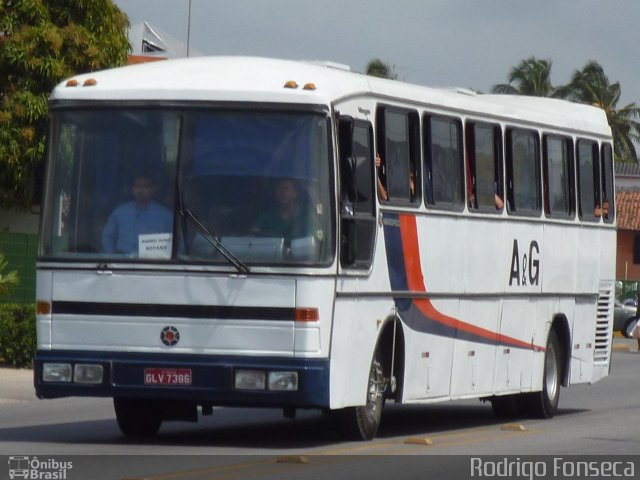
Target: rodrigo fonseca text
[553,467]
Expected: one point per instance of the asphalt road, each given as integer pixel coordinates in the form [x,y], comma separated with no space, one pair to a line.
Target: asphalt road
[599,419]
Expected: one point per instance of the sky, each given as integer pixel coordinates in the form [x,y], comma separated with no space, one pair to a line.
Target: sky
[440,43]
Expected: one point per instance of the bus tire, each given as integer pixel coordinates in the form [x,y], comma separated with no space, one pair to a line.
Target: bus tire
[138,417]
[544,404]
[361,423]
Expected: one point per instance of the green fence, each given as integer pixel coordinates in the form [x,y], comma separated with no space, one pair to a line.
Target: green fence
[626,289]
[20,252]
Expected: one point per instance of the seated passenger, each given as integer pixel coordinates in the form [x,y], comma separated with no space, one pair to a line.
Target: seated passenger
[134,218]
[288,219]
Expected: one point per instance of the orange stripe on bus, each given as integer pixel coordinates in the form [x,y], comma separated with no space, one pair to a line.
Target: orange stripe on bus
[415,281]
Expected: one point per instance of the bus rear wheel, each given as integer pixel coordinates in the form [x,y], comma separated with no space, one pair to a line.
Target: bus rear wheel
[138,417]
[544,404]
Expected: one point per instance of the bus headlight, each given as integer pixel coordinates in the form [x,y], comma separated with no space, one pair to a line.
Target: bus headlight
[87,373]
[250,380]
[287,381]
[56,372]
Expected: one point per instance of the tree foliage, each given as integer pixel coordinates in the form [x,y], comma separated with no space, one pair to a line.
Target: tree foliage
[589,85]
[531,77]
[8,280]
[378,68]
[41,43]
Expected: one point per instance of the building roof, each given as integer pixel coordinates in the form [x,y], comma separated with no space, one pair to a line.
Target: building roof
[628,209]
[149,41]
[627,169]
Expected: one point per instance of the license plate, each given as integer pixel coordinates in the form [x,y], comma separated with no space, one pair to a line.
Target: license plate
[167,376]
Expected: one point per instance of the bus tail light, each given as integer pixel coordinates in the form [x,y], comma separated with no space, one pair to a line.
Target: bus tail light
[307,315]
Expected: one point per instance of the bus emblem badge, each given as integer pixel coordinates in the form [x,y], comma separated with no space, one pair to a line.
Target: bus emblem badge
[170,336]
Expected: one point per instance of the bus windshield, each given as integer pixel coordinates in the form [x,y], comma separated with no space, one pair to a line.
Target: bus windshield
[189,186]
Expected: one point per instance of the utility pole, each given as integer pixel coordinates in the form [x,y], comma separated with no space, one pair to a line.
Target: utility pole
[189,29]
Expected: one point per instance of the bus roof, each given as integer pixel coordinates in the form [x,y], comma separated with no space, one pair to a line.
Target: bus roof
[255,79]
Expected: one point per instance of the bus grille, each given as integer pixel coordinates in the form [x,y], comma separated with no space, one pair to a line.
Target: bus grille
[604,324]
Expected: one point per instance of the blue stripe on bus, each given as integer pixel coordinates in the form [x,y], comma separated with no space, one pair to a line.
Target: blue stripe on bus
[411,314]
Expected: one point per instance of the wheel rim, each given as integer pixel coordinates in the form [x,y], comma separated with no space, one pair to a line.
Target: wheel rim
[551,374]
[375,391]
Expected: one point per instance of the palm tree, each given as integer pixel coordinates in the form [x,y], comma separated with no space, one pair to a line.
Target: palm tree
[590,85]
[531,77]
[378,68]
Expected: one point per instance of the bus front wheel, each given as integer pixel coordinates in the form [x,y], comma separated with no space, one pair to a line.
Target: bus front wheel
[362,422]
[544,404]
[138,417]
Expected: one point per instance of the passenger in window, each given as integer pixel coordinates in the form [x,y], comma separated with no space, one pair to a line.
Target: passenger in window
[597,212]
[412,182]
[497,198]
[140,216]
[382,191]
[288,219]
[602,211]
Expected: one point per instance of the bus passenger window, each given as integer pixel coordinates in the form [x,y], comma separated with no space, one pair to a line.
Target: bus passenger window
[558,177]
[357,197]
[396,161]
[588,181]
[484,165]
[443,163]
[356,170]
[608,195]
[523,172]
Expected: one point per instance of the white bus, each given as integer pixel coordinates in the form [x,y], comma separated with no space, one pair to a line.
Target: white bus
[320,239]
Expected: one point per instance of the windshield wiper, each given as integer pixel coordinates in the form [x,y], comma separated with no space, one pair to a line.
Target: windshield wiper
[213,240]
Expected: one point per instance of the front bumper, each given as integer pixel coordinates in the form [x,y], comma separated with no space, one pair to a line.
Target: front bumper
[212,378]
